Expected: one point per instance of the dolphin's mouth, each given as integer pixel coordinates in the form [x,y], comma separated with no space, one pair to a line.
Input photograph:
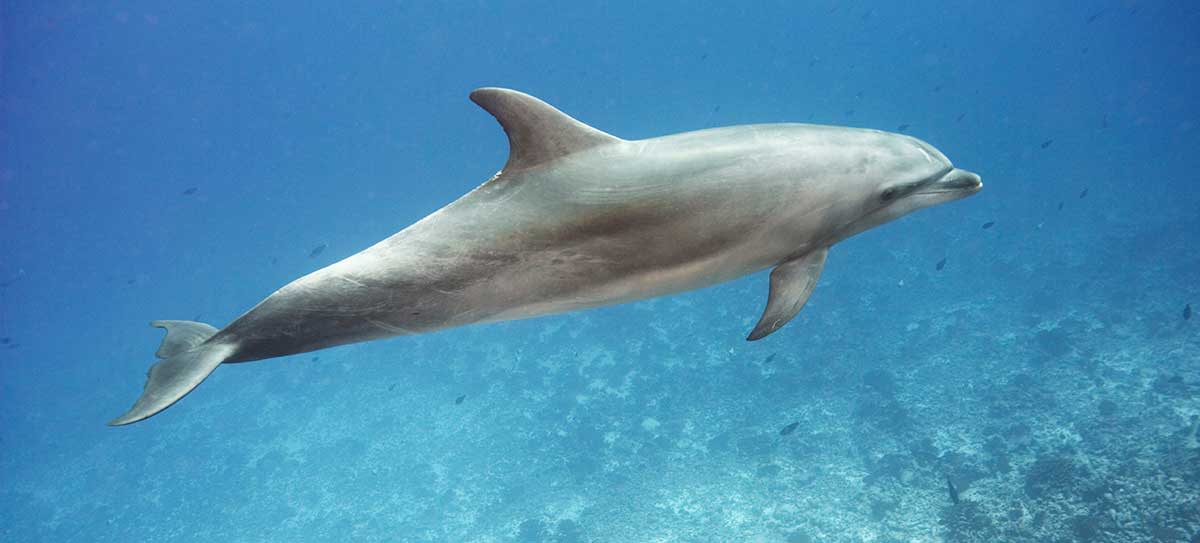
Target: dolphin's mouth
[941,187]
[955,181]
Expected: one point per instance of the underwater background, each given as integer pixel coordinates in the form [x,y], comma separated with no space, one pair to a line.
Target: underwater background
[1018,366]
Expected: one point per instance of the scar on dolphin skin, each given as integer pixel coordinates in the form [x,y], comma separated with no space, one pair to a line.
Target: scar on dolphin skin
[578,218]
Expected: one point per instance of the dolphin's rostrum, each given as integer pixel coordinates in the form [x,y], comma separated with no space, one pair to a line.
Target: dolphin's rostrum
[578,218]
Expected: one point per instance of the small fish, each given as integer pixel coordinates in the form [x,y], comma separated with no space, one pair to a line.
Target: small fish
[1187,313]
[1083,194]
[717,109]
[941,264]
[902,127]
[1092,18]
[960,117]
[317,250]
[789,429]
[989,224]
[1047,143]
[953,490]
[459,400]
[770,358]
[189,191]
[1060,205]
[392,387]
[937,88]
[316,358]
[6,340]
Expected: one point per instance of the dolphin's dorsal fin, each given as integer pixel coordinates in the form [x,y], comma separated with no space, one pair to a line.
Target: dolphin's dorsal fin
[791,284]
[537,132]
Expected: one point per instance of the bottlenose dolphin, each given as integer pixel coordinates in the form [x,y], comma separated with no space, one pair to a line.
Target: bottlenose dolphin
[578,218]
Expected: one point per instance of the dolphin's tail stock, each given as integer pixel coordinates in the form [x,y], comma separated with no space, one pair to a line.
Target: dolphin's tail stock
[187,358]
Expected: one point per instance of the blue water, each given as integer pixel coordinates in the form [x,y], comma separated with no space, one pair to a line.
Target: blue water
[172,161]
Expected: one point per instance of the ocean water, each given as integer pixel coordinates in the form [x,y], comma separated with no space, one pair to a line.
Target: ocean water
[1035,379]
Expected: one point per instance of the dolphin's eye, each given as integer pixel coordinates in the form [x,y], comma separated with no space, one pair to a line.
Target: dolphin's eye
[889,194]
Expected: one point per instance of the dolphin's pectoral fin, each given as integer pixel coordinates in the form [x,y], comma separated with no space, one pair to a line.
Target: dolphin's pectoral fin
[537,132]
[791,284]
[173,377]
[181,336]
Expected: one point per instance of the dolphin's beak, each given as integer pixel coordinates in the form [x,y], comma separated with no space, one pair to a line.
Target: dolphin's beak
[954,185]
[957,181]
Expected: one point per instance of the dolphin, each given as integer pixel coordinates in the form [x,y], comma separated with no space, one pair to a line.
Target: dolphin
[578,218]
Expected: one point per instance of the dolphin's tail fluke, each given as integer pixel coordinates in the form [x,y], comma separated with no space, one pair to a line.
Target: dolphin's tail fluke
[187,358]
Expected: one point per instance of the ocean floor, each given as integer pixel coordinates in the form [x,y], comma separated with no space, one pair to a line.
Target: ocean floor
[923,410]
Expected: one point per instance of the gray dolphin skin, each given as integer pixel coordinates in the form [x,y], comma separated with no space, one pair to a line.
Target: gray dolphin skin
[578,218]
